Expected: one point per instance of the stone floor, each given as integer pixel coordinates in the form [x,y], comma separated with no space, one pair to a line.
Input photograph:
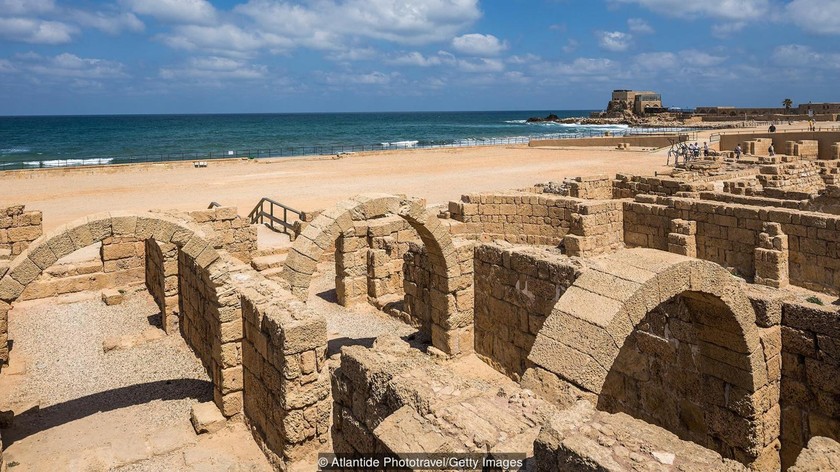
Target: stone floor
[80,408]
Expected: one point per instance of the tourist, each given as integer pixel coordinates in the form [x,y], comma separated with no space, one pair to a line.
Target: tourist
[772,128]
[738,151]
[705,149]
[771,150]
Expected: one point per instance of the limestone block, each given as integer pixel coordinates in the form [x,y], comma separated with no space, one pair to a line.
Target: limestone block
[112,297]
[206,418]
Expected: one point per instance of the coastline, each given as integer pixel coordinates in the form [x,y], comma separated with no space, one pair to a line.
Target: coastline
[315,182]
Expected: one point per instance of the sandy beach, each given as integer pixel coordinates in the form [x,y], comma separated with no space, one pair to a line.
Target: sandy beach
[311,183]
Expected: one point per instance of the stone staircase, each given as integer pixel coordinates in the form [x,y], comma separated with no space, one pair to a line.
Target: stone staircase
[271,255]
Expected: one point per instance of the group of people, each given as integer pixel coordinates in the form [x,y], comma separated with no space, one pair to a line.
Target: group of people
[689,152]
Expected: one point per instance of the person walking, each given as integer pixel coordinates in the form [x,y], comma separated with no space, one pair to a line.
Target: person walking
[738,151]
[705,149]
[771,150]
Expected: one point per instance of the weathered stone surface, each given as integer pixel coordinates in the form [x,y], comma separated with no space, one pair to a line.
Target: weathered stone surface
[112,297]
[822,454]
[582,439]
[206,418]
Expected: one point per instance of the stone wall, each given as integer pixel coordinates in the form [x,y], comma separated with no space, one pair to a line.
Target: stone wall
[211,324]
[394,399]
[515,290]
[424,311]
[569,442]
[369,262]
[585,227]
[18,228]
[810,376]
[519,218]
[628,186]
[162,281]
[790,175]
[826,139]
[286,382]
[729,233]
[236,235]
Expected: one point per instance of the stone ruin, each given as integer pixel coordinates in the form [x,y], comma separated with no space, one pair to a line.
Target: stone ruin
[656,323]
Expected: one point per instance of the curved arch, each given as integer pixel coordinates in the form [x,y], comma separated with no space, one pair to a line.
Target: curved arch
[582,337]
[49,248]
[319,236]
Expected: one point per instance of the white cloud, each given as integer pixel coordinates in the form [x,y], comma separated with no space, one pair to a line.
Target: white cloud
[369,78]
[353,54]
[481,65]
[615,41]
[571,46]
[417,59]
[799,56]
[112,24]
[196,12]
[36,31]
[726,9]
[524,59]
[224,39]
[26,7]
[640,26]
[725,30]
[582,66]
[405,22]
[816,16]
[214,68]
[68,65]
[479,44]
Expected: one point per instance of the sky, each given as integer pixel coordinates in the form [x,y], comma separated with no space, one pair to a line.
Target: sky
[258,56]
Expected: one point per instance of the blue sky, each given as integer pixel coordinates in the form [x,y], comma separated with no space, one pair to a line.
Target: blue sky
[226,56]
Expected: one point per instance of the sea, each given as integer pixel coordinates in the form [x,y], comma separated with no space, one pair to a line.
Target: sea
[53,141]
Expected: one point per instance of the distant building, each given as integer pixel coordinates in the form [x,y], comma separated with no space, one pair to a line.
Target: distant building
[819,108]
[637,101]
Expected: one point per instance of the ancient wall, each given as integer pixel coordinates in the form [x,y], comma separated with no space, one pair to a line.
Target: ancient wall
[236,235]
[211,324]
[519,218]
[394,399]
[728,235]
[619,442]
[778,179]
[515,290]
[585,227]
[826,139]
[286,382]
[810,376]
[628,186]
[18,228]
[420,308]
[369,262]
[162,280]
[648,140]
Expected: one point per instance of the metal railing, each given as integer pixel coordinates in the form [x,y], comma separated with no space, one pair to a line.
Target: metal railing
[259,215]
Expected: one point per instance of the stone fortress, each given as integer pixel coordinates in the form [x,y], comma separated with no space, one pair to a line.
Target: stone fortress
[681,322]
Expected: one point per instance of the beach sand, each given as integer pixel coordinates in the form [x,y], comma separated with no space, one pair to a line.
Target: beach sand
[311,183]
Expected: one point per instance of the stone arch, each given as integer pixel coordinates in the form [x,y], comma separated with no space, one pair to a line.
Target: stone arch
[192,242]
[447,326]
[670,339]
[582,336]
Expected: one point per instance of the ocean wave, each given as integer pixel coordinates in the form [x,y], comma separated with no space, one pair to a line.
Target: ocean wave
[516,122]
[70,162]
[401,144]
[14,151]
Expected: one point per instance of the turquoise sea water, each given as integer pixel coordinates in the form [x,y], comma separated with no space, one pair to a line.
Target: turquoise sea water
[48,141]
